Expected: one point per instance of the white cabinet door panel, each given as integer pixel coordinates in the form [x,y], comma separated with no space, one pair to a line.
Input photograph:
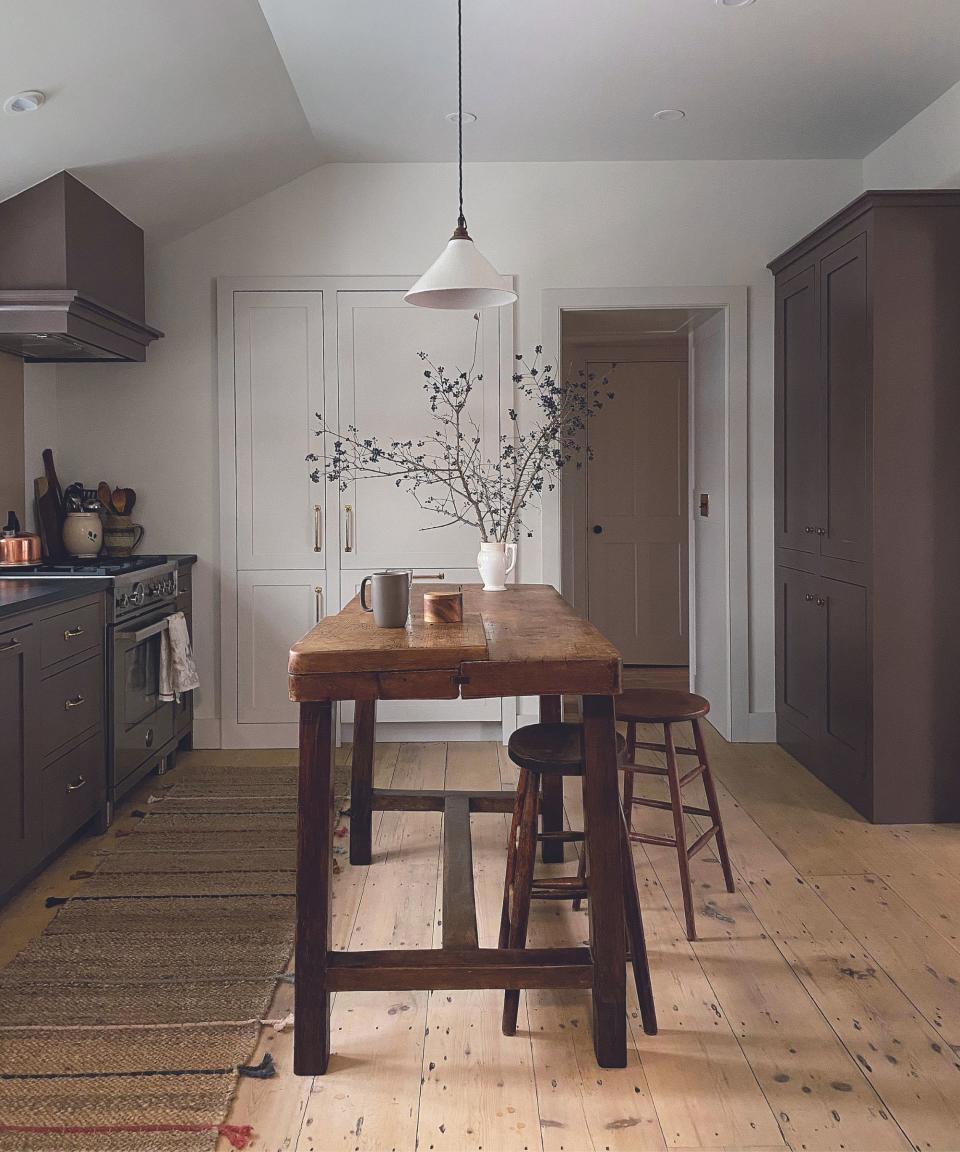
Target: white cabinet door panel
[422,711]
[381,393]
[274,610]
[278,387]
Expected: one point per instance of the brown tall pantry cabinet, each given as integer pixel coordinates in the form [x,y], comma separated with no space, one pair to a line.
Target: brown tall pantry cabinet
[867,491]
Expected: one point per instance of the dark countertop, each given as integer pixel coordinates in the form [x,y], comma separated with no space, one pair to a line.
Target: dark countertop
[22,594]
[182,557]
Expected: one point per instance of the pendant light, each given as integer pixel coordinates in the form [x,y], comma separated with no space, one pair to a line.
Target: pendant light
[460,277]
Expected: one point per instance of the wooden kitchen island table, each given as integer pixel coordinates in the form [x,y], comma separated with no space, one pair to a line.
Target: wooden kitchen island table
[525,641]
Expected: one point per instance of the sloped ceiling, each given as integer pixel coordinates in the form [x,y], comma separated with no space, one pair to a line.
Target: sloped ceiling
[178,111]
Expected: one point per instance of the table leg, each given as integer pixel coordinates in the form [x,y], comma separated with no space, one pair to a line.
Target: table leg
[551,800]
[361,781]
[311,1037]
[601,809]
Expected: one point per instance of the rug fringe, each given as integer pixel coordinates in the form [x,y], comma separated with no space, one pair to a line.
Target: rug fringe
[239,1135]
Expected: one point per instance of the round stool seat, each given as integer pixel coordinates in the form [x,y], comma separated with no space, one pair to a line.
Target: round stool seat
[659,706]
[555,748]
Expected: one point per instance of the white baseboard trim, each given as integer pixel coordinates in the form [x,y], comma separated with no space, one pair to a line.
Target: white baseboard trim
[430,733]
[761,727]
[206,732]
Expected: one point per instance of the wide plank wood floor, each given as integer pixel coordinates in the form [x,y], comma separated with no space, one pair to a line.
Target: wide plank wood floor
[820,1009]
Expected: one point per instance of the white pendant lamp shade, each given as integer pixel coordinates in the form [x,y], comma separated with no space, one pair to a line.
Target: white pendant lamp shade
[460,277]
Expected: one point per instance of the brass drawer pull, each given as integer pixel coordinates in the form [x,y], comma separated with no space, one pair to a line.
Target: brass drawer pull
[317,528]
[78,783]
[318,593]
[73,633]
[348,528]
[75,702]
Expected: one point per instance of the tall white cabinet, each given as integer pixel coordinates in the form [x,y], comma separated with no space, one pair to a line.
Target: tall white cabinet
[292,550]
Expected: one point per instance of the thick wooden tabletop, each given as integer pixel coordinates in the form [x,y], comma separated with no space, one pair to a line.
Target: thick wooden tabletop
[526,640]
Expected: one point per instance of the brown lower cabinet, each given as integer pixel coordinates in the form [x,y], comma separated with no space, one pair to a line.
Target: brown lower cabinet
[867,413]
[53,776]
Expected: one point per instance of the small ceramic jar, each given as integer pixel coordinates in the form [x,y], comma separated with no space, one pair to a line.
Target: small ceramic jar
[83,534]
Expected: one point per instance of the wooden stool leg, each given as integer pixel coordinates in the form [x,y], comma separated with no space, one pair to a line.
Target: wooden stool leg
[676,801]
[630,757]
[581,875]
[522,886]
[711,791]
[522,785]
[638,946]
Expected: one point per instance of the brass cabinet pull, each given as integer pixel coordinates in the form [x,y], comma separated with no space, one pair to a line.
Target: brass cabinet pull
[809,529]
[348,528]
[317,528]
[148,738]
[73,633]
[821,531]
[78,783]
[820,601]
[429,576]
[318,592]
[809,597]
[75,702]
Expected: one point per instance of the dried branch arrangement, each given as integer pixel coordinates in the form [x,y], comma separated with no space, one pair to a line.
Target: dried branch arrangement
[447,472]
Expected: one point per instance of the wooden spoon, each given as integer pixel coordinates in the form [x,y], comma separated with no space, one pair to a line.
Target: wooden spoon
[118,501]
[131,500]
[103,495]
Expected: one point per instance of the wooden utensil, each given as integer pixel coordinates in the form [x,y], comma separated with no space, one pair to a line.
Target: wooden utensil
[131,500]
[103,495]
[51,528]
[118,501]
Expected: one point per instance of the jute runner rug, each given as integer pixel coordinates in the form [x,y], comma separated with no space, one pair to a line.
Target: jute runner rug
[124,1026]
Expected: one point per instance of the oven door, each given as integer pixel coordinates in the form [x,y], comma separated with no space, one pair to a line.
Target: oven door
[143,723]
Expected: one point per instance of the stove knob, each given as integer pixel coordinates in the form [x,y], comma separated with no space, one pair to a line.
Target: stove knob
[137,594]
[122,599]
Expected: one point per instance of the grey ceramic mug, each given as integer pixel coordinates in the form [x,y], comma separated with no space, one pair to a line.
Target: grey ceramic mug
[390,598]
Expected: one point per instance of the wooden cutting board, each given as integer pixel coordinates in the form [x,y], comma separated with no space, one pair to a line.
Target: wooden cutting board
[351,642]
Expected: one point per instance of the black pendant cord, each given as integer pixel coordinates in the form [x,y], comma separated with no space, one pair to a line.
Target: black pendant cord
[461,220]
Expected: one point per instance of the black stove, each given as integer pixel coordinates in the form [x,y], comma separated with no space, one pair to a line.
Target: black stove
[98,566]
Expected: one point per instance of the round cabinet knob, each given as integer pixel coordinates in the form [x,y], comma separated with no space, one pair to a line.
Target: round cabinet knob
[597,529]
[821,531]
[820,601]
[809,597]
[809,529]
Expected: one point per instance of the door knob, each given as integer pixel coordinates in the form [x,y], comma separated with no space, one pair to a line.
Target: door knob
[597,529]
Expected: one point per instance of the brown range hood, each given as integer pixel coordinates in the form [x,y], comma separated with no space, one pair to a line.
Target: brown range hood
[71,277]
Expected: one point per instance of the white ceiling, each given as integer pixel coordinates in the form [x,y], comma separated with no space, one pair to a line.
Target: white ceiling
[175,110]
[179,110]
[581,79]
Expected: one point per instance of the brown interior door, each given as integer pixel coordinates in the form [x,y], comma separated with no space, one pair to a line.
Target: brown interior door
[845,366]
[799,429]
[637,518]
[800,626]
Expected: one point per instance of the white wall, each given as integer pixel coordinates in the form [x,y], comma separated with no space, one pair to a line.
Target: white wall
[41,428]
[154,426]
[925,153]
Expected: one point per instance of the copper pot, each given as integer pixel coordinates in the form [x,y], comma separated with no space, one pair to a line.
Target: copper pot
[16,547]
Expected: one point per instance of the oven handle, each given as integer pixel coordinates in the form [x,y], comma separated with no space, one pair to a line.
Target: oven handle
[145,633]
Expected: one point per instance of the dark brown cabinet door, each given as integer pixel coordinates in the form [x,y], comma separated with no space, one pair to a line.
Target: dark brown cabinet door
[846,720]
[20,847]
[800,651]
[845,365]
[799,427]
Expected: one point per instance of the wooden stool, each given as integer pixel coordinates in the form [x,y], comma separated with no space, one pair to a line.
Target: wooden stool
[556,749]
[669,707]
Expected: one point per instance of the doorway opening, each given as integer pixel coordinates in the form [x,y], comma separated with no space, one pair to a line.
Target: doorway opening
[643,538]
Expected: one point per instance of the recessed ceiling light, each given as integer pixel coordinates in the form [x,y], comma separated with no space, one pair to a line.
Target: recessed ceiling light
[669,114]
[468,117]
[24,102]
[733,3]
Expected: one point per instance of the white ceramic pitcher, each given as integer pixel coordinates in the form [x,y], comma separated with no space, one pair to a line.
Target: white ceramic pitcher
[492,560]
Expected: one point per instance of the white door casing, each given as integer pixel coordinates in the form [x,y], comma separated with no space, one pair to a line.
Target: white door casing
[739,723]
[711,641]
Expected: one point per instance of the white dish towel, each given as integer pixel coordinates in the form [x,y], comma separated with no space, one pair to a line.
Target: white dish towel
[178,669]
